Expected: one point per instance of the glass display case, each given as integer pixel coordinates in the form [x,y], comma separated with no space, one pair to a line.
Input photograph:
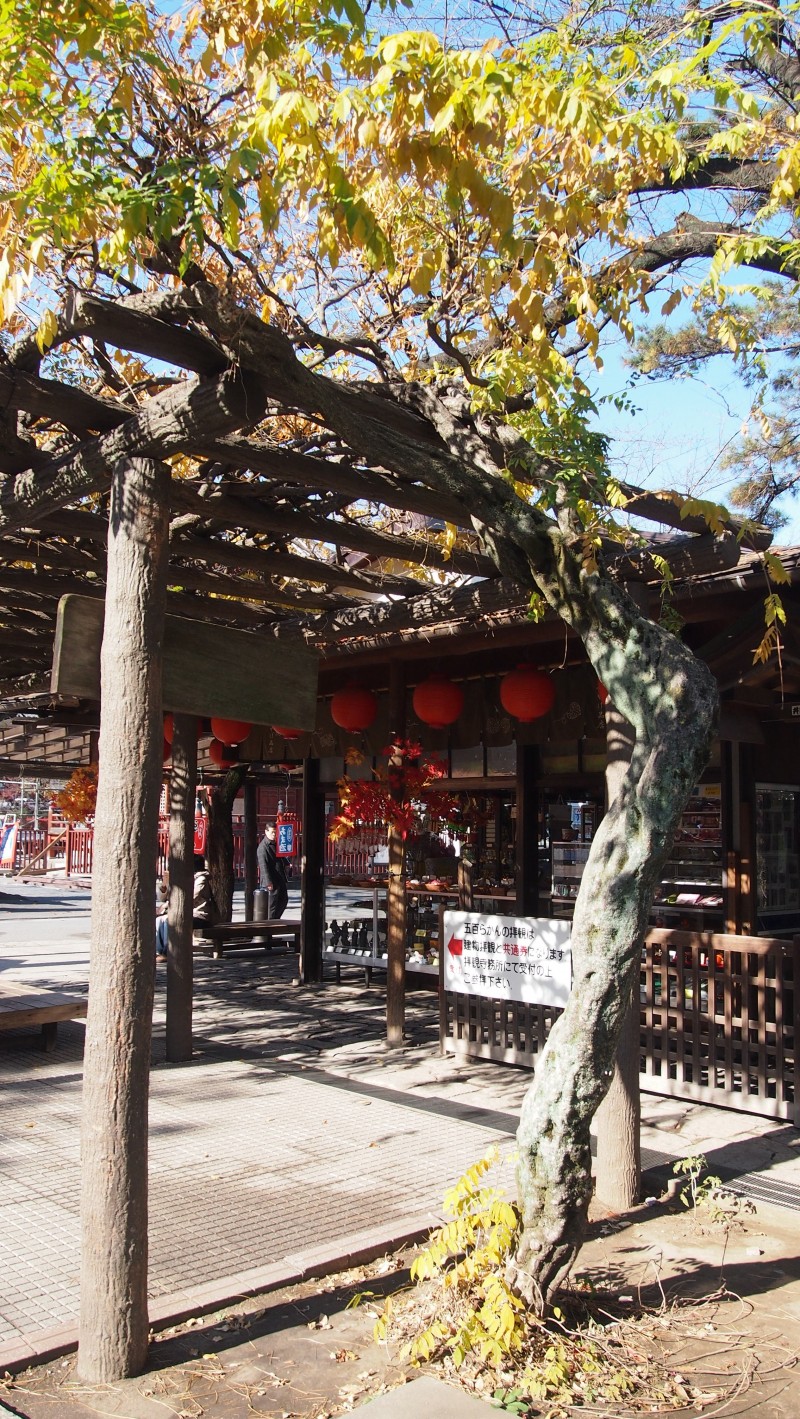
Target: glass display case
[692,880]
[569,859]
[355,924]
[777,856]
[566,830]
[355,931]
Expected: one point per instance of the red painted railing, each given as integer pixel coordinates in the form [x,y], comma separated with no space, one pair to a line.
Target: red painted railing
[68,849]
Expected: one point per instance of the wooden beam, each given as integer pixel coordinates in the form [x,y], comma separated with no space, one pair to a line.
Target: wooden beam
[249,589]
[238,512]
[250,844]
[50,589]
[687,556]
[286,564]
[114,1331]
[334,476]
[312,880]
[527,834]
[396,896]
[664,507]
[232,554]
[161,427]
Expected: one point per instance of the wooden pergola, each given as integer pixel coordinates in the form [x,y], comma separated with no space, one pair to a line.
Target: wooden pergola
[297,510]
[275,469]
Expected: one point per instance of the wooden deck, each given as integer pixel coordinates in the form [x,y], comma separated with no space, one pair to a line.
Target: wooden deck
[30,1007]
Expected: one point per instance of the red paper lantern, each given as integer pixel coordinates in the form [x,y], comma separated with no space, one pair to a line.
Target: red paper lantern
[218,754]
[526,693]
[354,709]
[438,702]
[167,749]
[287,733]
[602,692]
[230,731]
[169,728]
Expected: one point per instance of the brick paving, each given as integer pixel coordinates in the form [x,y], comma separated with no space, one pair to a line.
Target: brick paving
[257,1150]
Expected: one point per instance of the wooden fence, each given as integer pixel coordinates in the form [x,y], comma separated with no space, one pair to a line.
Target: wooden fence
[720,1022]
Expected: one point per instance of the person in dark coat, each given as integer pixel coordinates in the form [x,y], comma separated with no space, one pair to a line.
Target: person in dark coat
[273,874]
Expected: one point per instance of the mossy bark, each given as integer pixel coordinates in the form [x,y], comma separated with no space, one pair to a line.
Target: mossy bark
[670,699]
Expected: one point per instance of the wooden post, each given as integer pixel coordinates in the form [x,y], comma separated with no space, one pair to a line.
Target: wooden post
[113,1317]
[618,1166]
[180,962]
[796,1029]
[312,879]
[731,834]
[396,885]
[748,901]
[527,834]
[466,895]
[250,845]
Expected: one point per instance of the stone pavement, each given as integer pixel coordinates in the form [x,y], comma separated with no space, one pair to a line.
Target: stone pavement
[255,1159]
[292,1142]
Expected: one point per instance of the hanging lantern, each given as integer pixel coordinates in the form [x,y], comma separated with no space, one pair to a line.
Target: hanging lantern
[602,692]
[438,702]
[354,708]
[230,731]
[287,733]
[167,749]
[218,754]
[527,694]
[169,729]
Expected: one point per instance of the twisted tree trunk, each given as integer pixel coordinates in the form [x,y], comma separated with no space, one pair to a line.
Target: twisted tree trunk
[670,699]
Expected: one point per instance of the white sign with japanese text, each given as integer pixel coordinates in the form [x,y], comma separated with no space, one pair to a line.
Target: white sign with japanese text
[527,959]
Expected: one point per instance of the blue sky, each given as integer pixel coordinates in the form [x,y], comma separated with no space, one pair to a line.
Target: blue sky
[676,438]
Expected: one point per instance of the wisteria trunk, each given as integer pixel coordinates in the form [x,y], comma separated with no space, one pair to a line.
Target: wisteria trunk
[670,699]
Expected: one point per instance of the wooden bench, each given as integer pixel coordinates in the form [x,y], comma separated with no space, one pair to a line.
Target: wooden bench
[233,934]
[23,1006]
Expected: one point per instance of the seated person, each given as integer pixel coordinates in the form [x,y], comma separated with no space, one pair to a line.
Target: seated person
[204,910]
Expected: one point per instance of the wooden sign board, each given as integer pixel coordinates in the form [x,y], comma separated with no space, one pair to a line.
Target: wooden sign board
[207,670]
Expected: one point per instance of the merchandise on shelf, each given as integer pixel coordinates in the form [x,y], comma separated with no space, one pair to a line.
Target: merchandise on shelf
[692,877]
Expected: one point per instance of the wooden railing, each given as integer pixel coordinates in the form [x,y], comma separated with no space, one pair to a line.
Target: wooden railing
[59,847]
[69,850]
[720,1022]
